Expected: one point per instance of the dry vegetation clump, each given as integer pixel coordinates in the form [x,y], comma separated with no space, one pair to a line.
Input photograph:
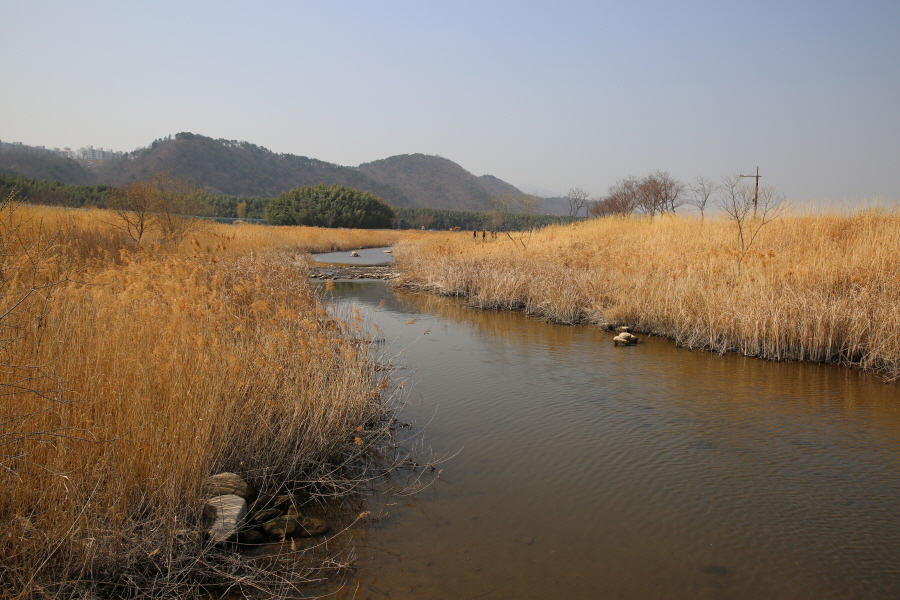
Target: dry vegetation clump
[131,372]
[822,288]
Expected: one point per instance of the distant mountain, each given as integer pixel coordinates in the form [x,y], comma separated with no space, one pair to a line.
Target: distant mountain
[435,182]
[498,187]
[237,168]
[243,169]
[538,191]
[555,206]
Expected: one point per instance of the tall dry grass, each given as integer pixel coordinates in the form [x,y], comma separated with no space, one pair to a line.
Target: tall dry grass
[812,287]
[130,373]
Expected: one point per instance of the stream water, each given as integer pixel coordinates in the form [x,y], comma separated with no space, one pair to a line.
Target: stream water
[585,470]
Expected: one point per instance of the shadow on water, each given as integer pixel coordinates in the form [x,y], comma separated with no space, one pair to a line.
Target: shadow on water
[586,470]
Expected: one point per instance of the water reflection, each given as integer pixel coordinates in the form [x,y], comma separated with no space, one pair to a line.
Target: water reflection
[587,470]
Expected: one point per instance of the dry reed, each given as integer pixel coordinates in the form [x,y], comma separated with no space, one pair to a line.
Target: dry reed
[132,372]
[822,288]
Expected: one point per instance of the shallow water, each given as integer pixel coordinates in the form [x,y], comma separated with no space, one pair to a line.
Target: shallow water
[584,470]
[367,257]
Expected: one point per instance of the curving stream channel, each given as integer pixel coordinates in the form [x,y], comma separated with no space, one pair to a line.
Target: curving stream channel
[584,470]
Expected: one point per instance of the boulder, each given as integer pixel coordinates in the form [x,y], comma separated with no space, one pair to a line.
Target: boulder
[311,526]
[266,515]
[224,484]
[222,516]
[295,526]
[354,254]
[625,339]
[282,527]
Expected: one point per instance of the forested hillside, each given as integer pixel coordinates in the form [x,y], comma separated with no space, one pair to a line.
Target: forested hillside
[45,166]
[246,171]
[435,182]
[236,168]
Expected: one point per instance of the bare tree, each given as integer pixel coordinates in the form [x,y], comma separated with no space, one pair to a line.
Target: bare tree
[132,205]
[176,202]
[749,211]
[578,199]
[659,192]
[528,206]
[165,202]
[501,207]
[622,199]
[700,193]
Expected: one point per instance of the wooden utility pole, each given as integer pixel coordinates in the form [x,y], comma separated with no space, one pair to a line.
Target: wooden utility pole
[756,192]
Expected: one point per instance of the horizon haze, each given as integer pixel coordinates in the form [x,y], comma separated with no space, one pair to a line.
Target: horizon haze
[570,95]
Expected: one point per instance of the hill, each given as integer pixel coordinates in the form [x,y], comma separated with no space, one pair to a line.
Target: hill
[45,166]
[435,182]
[237,168]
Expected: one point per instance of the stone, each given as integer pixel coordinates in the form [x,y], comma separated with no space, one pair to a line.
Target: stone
[312,526]
[222,516]
[267,515]
[282,502]
[224,484]
[282,527]
[295,526]
[354,254]
[625,339]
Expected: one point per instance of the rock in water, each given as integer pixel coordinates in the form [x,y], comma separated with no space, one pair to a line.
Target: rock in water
[222,516]
[224,484]
[354,254]
[281,527]
[625,339]
[311,526]
[295,526]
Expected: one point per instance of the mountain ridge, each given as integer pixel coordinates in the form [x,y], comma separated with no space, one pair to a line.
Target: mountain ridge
[239,168]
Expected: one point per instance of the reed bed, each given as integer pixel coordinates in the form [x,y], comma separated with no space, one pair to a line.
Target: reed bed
[131,372]
[823,288]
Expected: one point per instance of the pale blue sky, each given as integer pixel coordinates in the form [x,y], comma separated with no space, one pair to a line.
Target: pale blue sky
[555,94]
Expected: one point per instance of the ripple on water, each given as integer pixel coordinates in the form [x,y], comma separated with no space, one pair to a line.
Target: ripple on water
[655,472]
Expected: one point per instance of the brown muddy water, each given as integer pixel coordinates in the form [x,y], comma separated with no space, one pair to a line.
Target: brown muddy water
[584,470]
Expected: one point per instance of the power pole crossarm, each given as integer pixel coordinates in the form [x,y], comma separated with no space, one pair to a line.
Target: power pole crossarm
[756,192]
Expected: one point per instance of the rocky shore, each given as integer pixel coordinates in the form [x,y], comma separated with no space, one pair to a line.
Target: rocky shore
[351,272]
[234,512]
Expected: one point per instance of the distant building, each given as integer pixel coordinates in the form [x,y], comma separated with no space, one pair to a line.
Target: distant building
[88,154]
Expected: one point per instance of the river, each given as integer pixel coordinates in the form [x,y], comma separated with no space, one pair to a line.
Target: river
[584,470]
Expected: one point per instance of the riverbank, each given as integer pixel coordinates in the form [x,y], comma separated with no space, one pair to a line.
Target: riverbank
[385,272]
[822,288]
[135,370]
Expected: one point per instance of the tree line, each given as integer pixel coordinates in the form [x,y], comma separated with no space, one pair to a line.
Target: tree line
[53,193]
[439,218]
[330,206]
[658,193]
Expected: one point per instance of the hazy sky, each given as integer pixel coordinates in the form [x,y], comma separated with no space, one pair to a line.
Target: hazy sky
[557,94]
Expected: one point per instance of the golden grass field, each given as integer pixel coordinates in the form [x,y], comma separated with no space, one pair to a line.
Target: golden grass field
[822,288]
[132,372]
